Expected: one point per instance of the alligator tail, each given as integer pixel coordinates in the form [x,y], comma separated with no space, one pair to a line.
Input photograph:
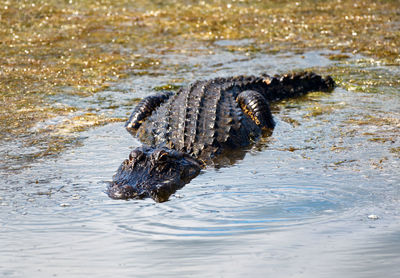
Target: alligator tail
[295,84]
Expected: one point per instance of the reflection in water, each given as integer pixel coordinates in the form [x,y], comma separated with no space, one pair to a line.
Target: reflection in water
[295,205]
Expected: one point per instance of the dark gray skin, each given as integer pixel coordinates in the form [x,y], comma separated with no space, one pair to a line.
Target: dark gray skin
[154,173]
[189,129]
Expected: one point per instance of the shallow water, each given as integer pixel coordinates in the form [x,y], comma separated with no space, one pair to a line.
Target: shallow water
[296,205]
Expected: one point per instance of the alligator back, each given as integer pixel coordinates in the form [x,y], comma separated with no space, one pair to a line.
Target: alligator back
[205,118]
[201,120]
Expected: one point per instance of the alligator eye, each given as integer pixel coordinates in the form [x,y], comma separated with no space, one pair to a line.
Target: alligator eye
[162,156]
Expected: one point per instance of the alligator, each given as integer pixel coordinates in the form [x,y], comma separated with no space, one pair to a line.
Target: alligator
[183,132]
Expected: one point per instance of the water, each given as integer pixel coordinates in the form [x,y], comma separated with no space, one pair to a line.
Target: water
[296,205]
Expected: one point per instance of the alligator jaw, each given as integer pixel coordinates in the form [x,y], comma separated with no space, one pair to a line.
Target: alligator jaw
[153,172]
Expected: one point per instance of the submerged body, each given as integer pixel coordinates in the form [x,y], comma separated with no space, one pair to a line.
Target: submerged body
[193,126]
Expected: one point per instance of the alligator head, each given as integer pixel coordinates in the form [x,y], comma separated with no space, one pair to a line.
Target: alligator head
[153,172]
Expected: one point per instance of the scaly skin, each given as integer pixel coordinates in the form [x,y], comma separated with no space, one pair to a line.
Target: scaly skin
[197,124]
[154,172]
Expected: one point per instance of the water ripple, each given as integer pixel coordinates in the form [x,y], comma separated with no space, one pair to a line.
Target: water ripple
[221,210]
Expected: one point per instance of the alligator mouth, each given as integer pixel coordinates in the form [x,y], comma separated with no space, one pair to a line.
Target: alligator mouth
[125,191]
[153,172]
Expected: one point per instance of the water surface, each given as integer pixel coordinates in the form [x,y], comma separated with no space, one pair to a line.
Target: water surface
[296,205]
